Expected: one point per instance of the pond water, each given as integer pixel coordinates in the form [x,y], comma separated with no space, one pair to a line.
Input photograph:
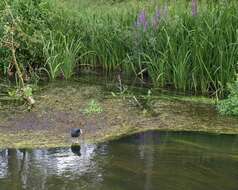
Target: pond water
[149,160]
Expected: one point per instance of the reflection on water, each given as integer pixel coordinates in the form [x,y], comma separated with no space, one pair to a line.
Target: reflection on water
[76,149]
[148,161]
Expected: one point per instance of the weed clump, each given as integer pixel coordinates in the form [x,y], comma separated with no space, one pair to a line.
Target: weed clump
[229,106]
[93,107]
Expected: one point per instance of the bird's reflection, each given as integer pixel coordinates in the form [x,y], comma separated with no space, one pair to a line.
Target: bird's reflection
[75,148]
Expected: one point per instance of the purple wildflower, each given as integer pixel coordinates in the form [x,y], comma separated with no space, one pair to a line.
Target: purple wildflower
[194,7]
[142,20]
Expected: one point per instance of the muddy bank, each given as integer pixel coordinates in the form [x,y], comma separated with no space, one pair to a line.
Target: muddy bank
[61,106]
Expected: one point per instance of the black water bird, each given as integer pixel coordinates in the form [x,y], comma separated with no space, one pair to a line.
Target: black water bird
[76,132]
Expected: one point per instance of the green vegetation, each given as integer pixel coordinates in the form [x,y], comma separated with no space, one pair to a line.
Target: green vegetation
[93,107]
[61,55]
[229,106]
[188,46]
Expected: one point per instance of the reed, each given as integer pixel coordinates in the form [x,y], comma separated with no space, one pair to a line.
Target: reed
[61,54]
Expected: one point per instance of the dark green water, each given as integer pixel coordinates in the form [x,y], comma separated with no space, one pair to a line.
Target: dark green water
[148,161]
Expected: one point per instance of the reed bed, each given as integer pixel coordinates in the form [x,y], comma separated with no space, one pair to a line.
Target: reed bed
[188,46]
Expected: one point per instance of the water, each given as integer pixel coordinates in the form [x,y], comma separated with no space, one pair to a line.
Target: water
[149,161]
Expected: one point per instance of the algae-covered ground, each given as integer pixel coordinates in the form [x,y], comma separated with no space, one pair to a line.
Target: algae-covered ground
[61,106]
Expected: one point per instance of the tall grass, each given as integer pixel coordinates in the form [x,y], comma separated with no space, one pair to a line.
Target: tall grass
[186,46]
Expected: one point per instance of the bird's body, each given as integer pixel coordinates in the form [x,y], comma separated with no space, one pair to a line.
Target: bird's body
[75,132]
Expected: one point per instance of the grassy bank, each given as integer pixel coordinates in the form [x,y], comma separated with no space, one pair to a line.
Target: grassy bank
[188,46]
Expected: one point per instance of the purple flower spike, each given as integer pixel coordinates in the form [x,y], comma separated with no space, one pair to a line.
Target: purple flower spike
[141,20]
[194,7]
